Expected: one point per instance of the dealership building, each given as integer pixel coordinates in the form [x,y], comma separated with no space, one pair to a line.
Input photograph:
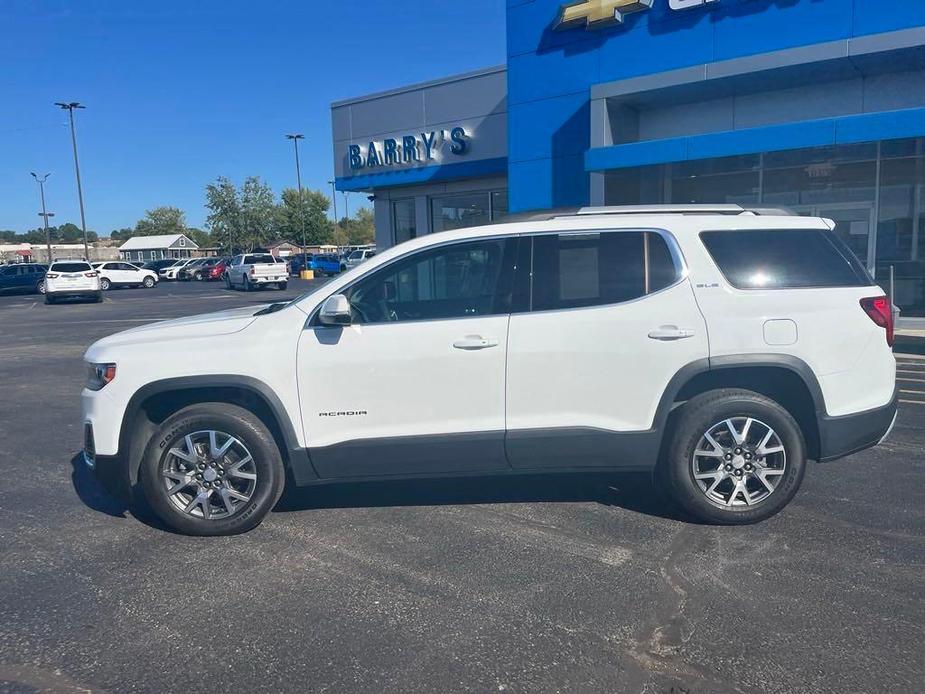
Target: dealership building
[815,105]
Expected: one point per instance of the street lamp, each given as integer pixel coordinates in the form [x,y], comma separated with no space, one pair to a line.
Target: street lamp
[69,107]
[298,174]
[334,200]
[44,214]
[346,204]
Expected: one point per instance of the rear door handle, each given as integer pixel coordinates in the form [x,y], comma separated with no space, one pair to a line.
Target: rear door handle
[670,332]
[473,342]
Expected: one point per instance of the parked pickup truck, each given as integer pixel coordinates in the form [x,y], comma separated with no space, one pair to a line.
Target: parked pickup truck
[255,270]
[326,264]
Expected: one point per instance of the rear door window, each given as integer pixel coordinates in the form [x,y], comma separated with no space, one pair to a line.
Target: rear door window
[784,259]
[577,270]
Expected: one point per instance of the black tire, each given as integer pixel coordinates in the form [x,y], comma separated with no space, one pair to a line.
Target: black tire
[230,419]
[97,298]
[198,276]
[281,286]
[148,283]
[696,417]
[49,299]
[247,284]
[105,284]
[227,282]
[40,287]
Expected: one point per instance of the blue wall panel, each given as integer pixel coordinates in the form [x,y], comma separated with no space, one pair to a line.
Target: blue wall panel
[544,64]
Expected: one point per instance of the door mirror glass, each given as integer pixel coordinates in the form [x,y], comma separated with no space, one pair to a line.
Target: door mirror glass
[335,311]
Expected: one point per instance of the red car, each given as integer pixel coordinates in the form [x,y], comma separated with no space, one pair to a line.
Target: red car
[217,271]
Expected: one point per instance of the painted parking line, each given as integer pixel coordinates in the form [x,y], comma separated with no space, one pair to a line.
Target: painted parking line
[912,402]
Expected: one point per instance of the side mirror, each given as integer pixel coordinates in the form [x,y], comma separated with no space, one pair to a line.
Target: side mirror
[335,311]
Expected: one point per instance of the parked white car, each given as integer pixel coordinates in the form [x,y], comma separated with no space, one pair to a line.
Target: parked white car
[718,348]
[71,278]
[170,272]
[122,274]
[254,270]
[358,256]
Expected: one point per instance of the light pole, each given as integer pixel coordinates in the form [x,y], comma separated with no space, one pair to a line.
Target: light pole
[334,200]
[44,214]
[298,174]
[346,204]
[69,107]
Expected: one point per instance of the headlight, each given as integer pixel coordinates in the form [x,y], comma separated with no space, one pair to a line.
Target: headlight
[98,375]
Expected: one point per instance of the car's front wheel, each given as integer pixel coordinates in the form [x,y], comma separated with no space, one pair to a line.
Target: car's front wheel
[734,457]
[40,287]
[104,284]
[148,282]
[212,469]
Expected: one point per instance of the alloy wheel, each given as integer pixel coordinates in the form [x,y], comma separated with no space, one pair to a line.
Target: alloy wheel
[209,475]
[738,462]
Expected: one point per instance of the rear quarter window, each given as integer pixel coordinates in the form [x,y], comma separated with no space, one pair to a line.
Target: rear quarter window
[784,259]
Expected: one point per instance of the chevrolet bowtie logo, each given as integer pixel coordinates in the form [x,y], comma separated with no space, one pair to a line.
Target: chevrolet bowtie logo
[595,14]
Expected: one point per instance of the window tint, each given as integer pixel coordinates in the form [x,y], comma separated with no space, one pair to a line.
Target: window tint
[576,270]
[784,259]
[259,259]
[71,267]
[458,281]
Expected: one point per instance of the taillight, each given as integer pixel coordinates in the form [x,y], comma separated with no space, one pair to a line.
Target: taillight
[253,270]
[880,311]
[51,275]
[90,274]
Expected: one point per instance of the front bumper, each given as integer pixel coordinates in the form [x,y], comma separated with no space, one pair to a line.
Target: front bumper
[842,436]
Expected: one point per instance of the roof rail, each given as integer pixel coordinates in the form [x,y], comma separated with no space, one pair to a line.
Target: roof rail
[560,213]
[684,209]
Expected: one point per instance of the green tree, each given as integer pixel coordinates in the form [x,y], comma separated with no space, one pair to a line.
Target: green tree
[123,234]
[201,238]
[314,208]
[258,212]
[225,219]
[361,229]
[162,220]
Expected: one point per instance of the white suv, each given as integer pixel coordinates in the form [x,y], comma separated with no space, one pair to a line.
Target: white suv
[719,348]
[72,278]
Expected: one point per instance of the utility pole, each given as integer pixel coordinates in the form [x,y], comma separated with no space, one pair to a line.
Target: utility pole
[69,107]
[334,200]
[298,174]
[44,214]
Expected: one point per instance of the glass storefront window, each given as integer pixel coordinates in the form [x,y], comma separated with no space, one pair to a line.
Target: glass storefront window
[404,222]
[901,231]
[458,211]
[730,180]
[838,182]
[498,205]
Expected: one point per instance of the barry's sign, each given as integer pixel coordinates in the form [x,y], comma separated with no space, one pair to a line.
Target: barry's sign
[408,150]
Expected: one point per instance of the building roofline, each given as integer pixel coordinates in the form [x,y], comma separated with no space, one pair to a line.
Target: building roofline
[420,85]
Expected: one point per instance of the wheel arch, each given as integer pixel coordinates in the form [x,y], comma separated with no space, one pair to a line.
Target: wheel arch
[155,402]
[783,378]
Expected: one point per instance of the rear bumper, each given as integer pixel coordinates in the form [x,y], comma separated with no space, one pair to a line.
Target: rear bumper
[74,292]
[842,436]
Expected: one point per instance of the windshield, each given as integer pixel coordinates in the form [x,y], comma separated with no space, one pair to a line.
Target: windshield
[356,255]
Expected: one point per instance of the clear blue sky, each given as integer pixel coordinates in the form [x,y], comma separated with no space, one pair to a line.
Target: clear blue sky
[181,91]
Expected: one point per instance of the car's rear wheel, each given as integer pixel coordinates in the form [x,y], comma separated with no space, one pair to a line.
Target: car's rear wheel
[212,469]
[40,287]
[247,284]
[49,299]
[734,457]
[148,282]
[104,284]
[281,286]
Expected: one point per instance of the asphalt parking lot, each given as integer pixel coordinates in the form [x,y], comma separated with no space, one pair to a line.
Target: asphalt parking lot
[540,584]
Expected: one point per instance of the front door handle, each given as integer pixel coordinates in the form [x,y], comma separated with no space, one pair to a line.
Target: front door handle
[473,342]
[670,332]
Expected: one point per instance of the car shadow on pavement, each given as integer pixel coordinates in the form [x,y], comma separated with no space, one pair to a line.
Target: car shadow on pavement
[633,492]
[97,497]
